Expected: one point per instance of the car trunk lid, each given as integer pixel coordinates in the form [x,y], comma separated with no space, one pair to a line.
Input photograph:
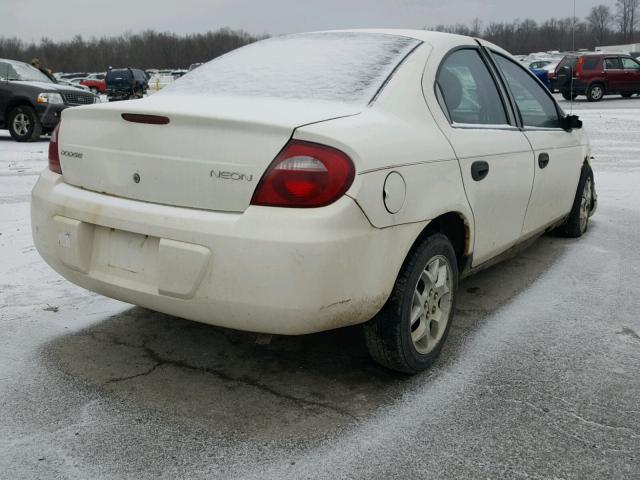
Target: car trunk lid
[210,155]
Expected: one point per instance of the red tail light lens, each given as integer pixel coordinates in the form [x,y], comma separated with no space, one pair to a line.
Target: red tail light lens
[579,65]
[305,175]
[54,154]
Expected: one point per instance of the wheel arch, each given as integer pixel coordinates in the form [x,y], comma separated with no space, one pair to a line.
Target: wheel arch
[457,228]
[16,102]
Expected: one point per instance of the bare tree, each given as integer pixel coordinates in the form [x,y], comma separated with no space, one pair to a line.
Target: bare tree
[627,17]
[600,19]
[149,49]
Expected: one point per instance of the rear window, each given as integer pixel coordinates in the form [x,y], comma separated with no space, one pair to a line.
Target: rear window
[591,63]
[568,62]
[335,66]
[118,75]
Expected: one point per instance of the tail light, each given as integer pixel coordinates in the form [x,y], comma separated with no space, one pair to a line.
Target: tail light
[579,65]
[54,154]
[305,175]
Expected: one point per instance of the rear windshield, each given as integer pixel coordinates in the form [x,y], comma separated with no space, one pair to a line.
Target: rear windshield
[345,67]
[115,75]
[568,62]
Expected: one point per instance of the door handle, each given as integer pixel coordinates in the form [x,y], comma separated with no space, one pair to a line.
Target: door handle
[479,170]
[543,160]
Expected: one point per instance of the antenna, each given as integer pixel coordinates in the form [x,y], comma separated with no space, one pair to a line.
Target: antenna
[573,49]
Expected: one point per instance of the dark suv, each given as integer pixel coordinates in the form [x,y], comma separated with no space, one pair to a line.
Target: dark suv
[30,103]
[596,75]
[126,83]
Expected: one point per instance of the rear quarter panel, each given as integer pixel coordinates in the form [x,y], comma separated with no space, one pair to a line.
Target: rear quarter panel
[398,133]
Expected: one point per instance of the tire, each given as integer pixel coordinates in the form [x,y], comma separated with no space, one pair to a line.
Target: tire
[94,90]
[569,96]
[577,222]
[391,339]
[24,124]
[626,95]
[595,92]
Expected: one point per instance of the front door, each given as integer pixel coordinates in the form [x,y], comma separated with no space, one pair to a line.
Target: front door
[557,153]
[495,157]
[631,75]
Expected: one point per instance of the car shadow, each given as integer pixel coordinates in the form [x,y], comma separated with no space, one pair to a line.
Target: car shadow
[297,387]
[9,138]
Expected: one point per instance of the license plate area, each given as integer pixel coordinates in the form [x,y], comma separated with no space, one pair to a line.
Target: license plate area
[125,258]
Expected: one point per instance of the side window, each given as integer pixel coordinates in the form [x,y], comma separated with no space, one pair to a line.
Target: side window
[630,64]
[591,63]
[7,72]
[468,91]
[612,64]
[536,106]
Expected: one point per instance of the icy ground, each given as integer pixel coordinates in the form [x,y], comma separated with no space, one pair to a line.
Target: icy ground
[540,377]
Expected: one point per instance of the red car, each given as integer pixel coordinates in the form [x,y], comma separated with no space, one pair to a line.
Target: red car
[95,82]
[596,75]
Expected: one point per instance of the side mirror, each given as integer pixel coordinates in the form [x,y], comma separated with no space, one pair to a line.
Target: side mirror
[571,122]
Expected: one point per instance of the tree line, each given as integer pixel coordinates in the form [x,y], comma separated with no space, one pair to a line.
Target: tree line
[603,26]
[151,49]
[148,49]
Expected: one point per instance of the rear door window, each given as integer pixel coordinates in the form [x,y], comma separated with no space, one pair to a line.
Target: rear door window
[467,91]
[612,63]
[536,106]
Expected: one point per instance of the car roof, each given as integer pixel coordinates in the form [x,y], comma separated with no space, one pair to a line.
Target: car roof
[435,39]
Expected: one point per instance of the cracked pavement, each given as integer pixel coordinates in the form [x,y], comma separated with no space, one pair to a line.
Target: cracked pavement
[540,377]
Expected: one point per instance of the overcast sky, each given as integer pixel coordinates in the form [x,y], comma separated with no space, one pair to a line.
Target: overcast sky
[62,19]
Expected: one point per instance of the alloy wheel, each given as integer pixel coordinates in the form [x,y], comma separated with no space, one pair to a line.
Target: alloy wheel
[597,92]
[431,306]
[21,124]
[585,203]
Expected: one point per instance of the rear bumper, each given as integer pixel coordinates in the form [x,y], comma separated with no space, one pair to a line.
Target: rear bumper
[281,271]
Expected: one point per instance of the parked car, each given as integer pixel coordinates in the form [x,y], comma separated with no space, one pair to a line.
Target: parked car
[596,75]
[30,103]
[158,82]
[126,83]
[67,83]
[71,76]
[542,74]
[353,180]
[95,82]
[539,64]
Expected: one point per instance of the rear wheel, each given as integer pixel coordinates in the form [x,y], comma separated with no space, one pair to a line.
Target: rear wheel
[94,90]
[578,220]
[626,95]
[407,335]
[24,124]
[569,95]
[595,92]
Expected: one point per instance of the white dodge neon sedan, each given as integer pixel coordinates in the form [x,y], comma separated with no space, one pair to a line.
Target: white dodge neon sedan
[314,181]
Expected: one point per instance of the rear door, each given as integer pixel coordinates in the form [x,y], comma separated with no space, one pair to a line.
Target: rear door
[557,153]
[495,157]
[632,74]
[614,74]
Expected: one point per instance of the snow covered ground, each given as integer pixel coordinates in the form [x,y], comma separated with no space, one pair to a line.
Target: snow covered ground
[540,377]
